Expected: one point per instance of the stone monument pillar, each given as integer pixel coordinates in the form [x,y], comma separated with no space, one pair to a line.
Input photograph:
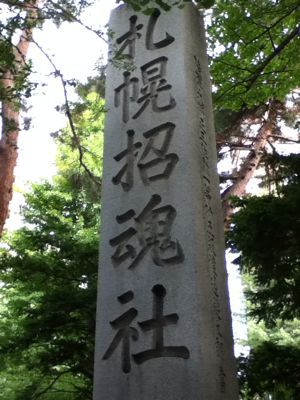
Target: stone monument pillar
[163,320]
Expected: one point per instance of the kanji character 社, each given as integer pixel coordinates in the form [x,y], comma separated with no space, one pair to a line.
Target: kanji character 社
[126,333]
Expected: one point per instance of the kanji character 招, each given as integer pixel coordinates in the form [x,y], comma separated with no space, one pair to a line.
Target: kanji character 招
[152,230]
[154,164]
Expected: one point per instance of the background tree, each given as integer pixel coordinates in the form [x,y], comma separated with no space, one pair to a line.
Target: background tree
[266,233]
[49,274]
[271,369]
[254,67]
[254,64]
[254,61]
[18,20]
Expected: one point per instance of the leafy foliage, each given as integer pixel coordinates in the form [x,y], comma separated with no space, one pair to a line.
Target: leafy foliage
[271,369]
[49,269]
[17,18]
[147,6]
[267,233]
[82,148]
[254,46]
[254,60]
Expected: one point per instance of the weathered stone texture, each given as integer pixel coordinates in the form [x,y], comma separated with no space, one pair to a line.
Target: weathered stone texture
[163,322]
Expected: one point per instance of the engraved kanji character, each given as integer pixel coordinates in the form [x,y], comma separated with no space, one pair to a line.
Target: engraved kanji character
[126,171]
[153,230]
[153,76]
[154,163]
[150,45]
[129,38]
[155,155]
[129,90]
[124,333]
[157,325]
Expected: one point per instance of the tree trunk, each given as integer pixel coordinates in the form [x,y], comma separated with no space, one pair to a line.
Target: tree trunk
[10,116]
[249,165]
[8,151]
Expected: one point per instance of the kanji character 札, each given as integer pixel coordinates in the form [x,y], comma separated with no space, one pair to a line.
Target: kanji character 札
[128,39]
[152,229]
[154,155]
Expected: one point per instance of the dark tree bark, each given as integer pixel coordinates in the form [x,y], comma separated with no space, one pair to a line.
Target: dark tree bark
[250,164]
[10,116]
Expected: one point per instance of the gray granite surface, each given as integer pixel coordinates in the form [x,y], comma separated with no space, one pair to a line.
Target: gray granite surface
[163,319]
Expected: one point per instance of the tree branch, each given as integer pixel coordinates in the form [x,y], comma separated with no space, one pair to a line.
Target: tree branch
[267,30]
[51,384]
[284,139]
[250,164]
[58,74]
[75,19]
[295,32]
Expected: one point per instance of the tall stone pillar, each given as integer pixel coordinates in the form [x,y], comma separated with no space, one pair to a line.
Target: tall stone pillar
[163,320]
